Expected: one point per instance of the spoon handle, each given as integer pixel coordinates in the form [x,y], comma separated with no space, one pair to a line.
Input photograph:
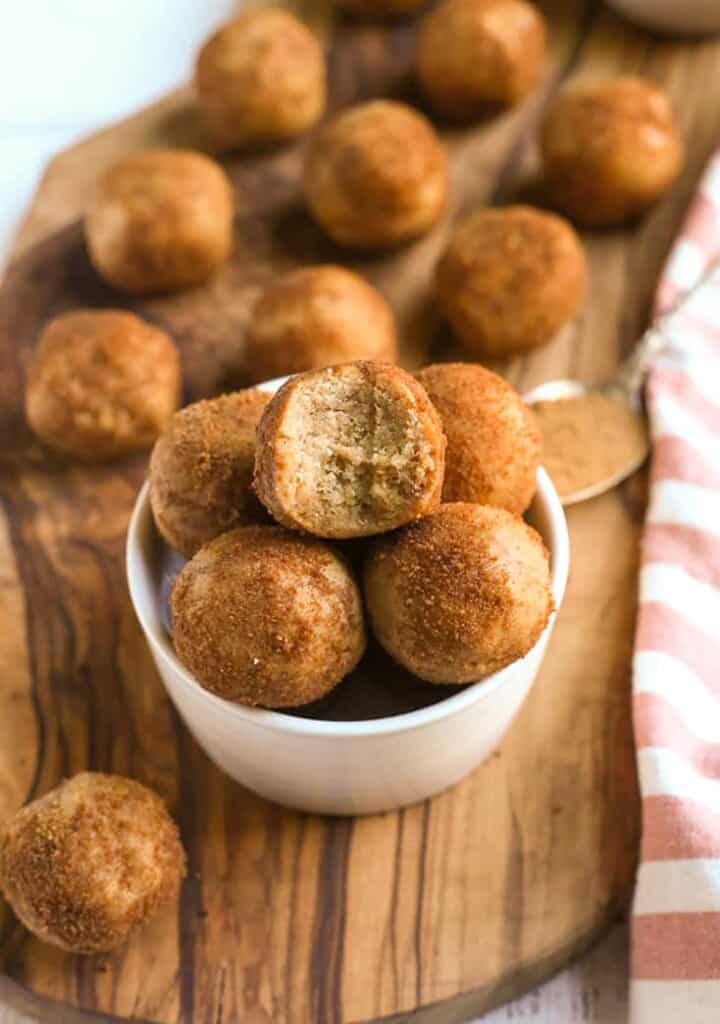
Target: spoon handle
[630,378]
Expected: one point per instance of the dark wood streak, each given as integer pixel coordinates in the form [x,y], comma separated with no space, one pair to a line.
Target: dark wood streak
[514,919]
[99,685]
[326,958]
[40,728]
[85,982]
[418,930]
[394,899]
[32,566]
[190,903]
[290,949]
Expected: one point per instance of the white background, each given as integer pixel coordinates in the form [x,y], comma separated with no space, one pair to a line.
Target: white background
[66,68]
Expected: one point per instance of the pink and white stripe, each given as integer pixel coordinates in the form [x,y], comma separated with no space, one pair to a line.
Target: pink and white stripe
[676,704]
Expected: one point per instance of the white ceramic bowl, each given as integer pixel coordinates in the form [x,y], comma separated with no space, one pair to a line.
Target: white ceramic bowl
[684,17]
[355,767]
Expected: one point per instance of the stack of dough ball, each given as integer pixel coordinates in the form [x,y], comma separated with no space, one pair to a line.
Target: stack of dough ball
[509,279]
[102,383]
[350,451]
[261,78]
[472,53]
[376,176]
[610,149]
[88,862]
[316,317]
[262,616]
[201,470]
[160,221]
[493,444]
[460,594]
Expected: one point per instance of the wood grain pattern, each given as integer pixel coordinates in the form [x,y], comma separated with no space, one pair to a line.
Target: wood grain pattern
[450,906]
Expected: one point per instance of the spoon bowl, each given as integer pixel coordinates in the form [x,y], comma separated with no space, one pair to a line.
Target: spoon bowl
[627,462]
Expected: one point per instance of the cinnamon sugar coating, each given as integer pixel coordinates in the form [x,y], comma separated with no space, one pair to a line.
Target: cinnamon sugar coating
[201,470]
[472,53]
[459,594]
[610,149]
[260,78]
[91,860]
[315,317]
[265,617]
[493,444]
[160,220]
[101,383]
[510,278]
[376,175]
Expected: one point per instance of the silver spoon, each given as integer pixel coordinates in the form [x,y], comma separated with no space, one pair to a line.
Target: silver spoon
[626,387]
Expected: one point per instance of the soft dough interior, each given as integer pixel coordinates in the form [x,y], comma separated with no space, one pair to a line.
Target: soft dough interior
[360,453]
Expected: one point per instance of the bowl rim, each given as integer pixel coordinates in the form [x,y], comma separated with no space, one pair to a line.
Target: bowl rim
[160,643]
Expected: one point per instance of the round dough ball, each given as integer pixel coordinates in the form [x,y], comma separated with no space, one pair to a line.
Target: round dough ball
[316,317]
[609,150]
[510,278]
[262,616]
[376,175]
[160,221]
[493,444]
[261,78]
[102,383]
[471,53]
[201,470]
[459,594]
[350,451]
[374,10]
[85,864]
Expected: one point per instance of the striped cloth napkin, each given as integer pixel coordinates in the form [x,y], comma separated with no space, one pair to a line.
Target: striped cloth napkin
[675,968]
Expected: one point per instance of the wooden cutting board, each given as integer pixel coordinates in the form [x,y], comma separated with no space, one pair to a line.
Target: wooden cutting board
[450,906]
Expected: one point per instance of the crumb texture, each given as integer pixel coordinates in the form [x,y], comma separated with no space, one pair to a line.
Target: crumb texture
[350,451]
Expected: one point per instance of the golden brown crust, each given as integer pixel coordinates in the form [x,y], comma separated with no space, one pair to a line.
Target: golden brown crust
[261,78]
[510,278]
[262,616]
[459,594]
[160,220]
[493,444]
[101,383]
[201,470]
[316,317]
[376,175]
[275,457]
[471,53]
[91,860]
[610,149]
